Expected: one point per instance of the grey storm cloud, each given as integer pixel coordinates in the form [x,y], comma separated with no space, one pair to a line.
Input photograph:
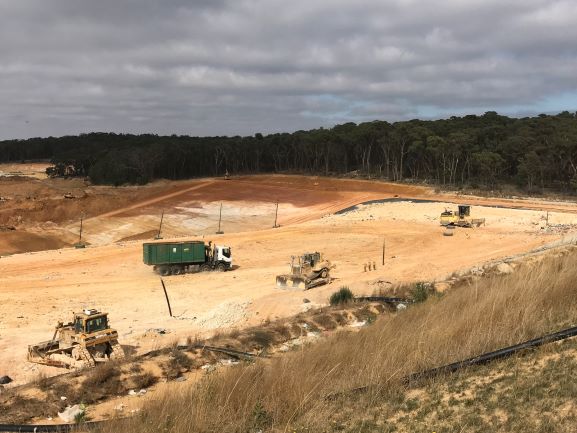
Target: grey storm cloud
[217,67]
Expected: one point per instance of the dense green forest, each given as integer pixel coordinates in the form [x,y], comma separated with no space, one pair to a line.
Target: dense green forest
[489,150]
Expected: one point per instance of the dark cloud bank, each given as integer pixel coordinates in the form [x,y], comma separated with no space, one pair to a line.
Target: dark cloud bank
[238,67]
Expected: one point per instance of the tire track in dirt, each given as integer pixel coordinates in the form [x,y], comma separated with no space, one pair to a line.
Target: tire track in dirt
[330,208]
[155,200]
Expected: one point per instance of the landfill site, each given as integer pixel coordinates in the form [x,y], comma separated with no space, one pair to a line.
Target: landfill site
[67,246]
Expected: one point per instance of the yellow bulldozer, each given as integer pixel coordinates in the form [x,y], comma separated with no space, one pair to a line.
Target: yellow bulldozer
[306,271]
[84,342]
[460,218]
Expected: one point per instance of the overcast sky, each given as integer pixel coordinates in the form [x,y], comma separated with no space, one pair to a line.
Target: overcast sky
[218,67]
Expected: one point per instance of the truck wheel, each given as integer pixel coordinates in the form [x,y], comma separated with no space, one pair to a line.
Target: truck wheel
[221,267]
[205,268]
[164,271]
[176,270]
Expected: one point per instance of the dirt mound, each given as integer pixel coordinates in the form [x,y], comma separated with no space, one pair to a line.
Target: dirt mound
[15,242]
[140,236]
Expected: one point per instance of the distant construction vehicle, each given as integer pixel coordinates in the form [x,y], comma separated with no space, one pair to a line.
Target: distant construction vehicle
[84,342]
[460,218]
[175,258]
[306,271]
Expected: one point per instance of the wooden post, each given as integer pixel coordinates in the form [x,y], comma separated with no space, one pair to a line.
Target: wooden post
[160,226]
[275,216]
[79,244]
[166,296]
[383,252]
[219,232]
[80,235]
[547,220]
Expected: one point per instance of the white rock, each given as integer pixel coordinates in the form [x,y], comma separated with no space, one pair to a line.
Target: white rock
[69,414]
[504,268]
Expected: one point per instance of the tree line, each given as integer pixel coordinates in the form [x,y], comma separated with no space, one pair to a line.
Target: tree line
[534,152]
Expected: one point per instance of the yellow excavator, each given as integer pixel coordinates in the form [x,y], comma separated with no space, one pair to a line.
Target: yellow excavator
[460,218]
[84,342]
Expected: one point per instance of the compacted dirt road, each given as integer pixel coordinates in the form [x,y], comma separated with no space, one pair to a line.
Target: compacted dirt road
[39,288]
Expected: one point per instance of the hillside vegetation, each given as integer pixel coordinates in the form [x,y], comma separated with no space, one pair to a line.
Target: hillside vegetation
[311,389]
[488,150]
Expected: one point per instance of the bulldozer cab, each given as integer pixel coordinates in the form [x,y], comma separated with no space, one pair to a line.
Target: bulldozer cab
[96,324]
[464,211]
[311,258]
[303,264]
[90,321]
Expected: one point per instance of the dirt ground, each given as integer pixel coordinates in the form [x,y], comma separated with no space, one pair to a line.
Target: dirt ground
[44,280]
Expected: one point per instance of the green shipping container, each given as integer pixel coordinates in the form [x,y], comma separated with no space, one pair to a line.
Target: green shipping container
[167,253]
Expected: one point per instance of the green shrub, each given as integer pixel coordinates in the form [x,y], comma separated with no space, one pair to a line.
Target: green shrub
[420,292]
[343,296]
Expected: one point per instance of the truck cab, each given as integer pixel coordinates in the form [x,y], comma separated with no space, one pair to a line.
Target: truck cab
[222,254]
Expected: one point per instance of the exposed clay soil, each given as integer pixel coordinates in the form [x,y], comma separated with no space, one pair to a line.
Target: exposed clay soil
[37,289]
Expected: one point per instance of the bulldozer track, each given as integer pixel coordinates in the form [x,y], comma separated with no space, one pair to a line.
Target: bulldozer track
[117,352]
[86,356]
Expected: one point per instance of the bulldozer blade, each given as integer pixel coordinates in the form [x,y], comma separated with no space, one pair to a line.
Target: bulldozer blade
[291,282]
[317,282]
[49,353]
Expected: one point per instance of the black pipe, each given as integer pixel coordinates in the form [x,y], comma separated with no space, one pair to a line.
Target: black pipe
[48,428]
[477,360]
[386,299]
[232,352]
[492,356]
[166,296]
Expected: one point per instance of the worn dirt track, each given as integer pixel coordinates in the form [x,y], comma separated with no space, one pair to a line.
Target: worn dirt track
[39,288]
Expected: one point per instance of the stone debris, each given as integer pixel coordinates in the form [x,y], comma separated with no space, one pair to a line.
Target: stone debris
[504,268]
[71,413]
[5,380]
[226,314]
[358,324]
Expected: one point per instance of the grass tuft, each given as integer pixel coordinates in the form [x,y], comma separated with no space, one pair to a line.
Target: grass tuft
[342,296]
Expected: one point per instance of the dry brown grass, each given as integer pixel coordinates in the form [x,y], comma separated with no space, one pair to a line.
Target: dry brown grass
[17,409]
[290,391]
[178,363]
[100,383]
